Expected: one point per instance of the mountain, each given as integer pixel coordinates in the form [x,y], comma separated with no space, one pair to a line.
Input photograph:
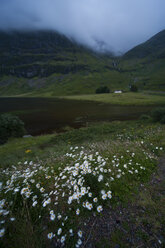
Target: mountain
[146,63]
[46,63]
[31,54]
[154,47]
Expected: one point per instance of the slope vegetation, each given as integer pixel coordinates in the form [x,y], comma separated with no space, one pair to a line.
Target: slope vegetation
[46,63]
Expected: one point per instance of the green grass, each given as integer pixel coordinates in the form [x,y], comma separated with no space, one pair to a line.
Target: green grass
[120,139]
[123,98]
[75,70]
[85,82]
[148,74]
[45,145]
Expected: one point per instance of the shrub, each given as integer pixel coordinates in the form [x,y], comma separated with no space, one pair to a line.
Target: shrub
[162,121]
[145,117]
[158,114]
[102,89]
[133,88]
[10,126]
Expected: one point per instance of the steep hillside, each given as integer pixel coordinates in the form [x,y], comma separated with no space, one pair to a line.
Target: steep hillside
[46,63]
[146,63]
[38,54]
[154,47]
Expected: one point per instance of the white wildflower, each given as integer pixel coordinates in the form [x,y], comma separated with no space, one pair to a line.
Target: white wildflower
[2,232]
[99,209]
[50,235]
[80,233]
[34,203]
[78,211]
[62,239]
[52,216]
[100,178]
[59,231]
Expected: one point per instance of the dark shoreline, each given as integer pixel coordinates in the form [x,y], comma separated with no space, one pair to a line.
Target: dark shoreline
[48,115]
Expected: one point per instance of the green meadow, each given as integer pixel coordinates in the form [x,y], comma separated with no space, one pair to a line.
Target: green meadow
[55,186]
[128,98]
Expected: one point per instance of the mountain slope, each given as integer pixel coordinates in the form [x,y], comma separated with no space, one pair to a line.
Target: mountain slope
[154,47]
[46,63]
[146,63]
[31,54]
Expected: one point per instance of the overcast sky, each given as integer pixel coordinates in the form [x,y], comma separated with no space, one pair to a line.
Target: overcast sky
[120,24]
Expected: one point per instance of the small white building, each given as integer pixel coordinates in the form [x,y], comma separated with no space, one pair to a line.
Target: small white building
[118,91]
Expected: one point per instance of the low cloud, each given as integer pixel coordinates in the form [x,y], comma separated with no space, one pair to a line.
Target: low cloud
[113,25]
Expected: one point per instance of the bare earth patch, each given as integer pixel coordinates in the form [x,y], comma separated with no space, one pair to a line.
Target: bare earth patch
[140,223]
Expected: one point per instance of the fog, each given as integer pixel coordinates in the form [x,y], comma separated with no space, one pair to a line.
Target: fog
[114,25]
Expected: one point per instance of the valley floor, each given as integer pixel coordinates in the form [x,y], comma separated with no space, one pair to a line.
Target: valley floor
[128,98]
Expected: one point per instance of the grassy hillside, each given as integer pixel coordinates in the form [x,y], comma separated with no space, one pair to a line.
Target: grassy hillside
[147,73]
[59,85]
[49,64]
[154,47]
[146,63]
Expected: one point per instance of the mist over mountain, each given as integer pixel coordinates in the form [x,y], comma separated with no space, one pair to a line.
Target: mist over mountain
[47,63]
[101,25]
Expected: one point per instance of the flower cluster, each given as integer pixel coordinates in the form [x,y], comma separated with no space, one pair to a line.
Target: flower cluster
[63,194]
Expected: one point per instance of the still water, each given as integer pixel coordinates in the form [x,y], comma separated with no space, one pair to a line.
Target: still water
[46,115]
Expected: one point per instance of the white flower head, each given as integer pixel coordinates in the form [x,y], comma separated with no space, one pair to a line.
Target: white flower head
[79,242]
[50,235]
[78,211]
[59,231]
[42,190]
[99,208]
[59,216]
[102,192]
[104,197]
[12,219]
[80,233]
[71,232]
[37,185]
[52,216]
[62,239]
[90,194]
[2,232]
[90,206]
[100,178]
[34,203]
